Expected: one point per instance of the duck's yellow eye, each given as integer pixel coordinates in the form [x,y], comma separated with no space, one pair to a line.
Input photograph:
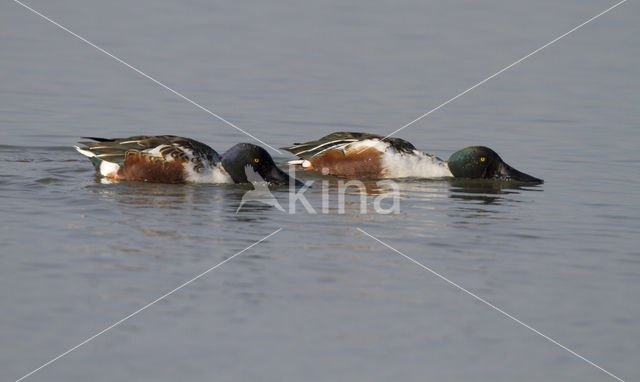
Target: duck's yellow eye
[256,160]
[482,159]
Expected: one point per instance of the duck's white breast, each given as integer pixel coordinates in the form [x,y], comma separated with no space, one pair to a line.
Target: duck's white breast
[413,165]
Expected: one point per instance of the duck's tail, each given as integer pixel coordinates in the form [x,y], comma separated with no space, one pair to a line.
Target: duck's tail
[96,162]
[84,152]
[102,156]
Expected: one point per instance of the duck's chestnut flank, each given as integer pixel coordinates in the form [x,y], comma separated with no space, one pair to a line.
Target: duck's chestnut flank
[143,167]
[363,163]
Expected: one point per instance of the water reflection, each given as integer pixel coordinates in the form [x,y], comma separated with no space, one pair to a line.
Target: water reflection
[327,195]
[165,220]
[485,199]
[487,191]
[197,202]
[154,195]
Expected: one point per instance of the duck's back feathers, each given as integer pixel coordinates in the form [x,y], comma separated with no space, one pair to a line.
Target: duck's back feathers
[339,140]
[115,149]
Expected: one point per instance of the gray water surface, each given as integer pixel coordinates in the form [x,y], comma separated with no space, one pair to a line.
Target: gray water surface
[319,300]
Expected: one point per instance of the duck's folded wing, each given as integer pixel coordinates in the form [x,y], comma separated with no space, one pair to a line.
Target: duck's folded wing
[340,140]
[166,146]
[329,142]
[115,149]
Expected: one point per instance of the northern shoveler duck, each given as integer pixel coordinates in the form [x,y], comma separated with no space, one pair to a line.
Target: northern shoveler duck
[362,155]
[171,159]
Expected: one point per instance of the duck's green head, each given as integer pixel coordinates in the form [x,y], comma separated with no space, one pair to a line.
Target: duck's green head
[238,157]
[482,162]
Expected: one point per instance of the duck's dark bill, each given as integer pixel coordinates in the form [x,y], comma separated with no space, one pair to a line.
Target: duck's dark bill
[507,172]
[277,176]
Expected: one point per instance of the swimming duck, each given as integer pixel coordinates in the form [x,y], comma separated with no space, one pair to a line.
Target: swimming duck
[363,155]
[171,159]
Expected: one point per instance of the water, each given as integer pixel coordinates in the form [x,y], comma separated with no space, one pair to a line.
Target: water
[320,300]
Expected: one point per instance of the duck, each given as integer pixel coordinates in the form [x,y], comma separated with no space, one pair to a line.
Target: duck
[173,159]
[369,156]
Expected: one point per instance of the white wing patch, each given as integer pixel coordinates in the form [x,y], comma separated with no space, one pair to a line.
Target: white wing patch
[157,152]
[367,144]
